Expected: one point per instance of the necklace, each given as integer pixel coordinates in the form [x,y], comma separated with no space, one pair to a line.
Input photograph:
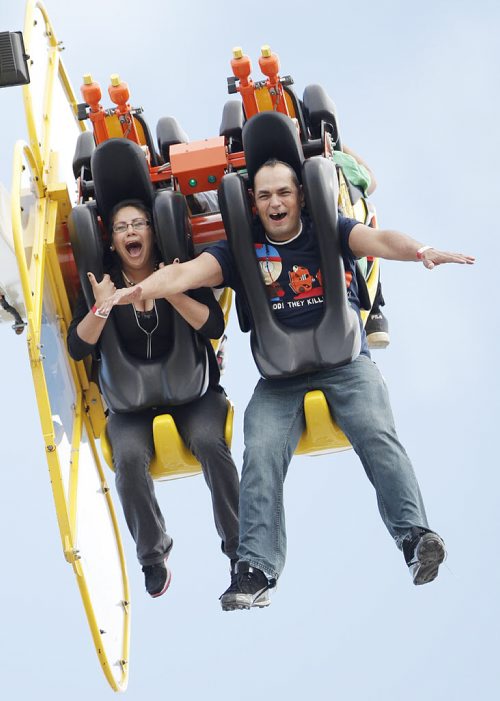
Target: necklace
[127,281]
[148,333]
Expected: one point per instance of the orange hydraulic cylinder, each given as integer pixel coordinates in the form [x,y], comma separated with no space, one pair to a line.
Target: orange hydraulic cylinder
[241,67]
[270,65]
[119,94]
[91,93]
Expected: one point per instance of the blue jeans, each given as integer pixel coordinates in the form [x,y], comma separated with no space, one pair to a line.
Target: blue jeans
[274,420]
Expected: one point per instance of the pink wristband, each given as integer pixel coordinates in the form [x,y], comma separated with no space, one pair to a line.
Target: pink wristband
[421,251]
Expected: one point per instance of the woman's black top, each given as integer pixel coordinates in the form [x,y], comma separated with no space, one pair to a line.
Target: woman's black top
[146,335]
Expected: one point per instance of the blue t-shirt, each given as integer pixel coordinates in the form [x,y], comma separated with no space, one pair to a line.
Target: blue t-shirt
[292,274]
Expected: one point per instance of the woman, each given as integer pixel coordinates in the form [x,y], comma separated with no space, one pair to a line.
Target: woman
[145,331]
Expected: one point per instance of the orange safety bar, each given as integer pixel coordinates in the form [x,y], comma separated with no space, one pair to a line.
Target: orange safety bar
[242,67]
[251,93]
[269,65]
[119,94]
[91,93]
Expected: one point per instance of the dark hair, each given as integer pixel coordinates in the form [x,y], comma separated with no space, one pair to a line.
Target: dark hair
[273,162]
[138,204]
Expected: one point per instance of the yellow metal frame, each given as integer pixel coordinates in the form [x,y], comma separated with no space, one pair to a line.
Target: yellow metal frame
[44,265]
[39,142]
[52,203]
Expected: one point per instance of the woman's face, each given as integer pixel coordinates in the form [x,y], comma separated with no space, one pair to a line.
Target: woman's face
[133,242]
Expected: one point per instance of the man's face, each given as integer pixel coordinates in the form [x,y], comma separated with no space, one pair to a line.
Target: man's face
[278,202]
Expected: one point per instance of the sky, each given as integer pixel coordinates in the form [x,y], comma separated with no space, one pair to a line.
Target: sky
[415,89]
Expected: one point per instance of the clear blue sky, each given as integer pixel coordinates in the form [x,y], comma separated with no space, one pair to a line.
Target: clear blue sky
[416,90]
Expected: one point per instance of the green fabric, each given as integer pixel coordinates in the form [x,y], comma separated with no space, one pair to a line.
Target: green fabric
[363,265]
[357,174]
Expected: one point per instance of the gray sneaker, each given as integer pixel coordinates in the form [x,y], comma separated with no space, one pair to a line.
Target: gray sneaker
[249,588]
[424,552]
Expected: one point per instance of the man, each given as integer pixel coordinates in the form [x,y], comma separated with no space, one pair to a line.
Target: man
[355,392]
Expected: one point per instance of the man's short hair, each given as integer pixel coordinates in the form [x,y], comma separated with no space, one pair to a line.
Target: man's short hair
[273,162]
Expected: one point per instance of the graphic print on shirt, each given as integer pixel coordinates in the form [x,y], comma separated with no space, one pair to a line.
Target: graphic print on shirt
[292,289]
[303,283]
[271,267]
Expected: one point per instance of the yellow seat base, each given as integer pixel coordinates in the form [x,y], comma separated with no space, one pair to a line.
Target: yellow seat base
[321,435]
[171,458]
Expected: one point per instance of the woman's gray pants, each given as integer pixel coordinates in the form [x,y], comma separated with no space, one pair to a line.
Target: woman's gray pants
[201,424]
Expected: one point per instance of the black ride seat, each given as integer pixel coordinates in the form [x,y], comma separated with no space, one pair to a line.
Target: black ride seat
[281,351]
[127,384]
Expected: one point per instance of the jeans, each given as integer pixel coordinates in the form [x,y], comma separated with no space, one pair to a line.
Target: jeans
[274,420]
[201,424]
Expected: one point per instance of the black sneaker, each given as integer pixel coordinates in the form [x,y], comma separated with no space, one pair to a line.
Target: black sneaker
[377,330]
[424,552]
[227,597]
[249,588]
[157,577]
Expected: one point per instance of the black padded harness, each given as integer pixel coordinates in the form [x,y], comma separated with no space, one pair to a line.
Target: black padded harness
[127,383]
[278,350]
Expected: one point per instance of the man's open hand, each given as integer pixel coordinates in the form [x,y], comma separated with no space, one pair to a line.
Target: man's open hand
[125,295]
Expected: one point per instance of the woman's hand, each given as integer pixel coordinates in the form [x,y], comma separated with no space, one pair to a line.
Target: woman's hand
[102,290]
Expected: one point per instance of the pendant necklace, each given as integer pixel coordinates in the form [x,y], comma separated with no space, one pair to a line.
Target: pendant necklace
[127,281]
[148,333]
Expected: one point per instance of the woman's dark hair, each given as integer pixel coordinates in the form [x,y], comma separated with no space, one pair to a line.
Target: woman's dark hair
[138,204]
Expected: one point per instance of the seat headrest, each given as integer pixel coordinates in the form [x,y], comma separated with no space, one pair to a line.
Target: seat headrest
[319,107]
[120,172]
[271,135]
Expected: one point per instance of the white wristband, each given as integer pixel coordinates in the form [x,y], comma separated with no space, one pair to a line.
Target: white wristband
[421,251]
[97,313]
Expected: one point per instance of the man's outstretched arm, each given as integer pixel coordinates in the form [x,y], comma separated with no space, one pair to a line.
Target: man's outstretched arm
[393,245]
[203,271]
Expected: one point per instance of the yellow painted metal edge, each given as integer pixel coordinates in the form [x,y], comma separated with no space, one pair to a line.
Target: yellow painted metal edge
[87,602]
[81,419]
[28,102]
[66,513]
[39,142]
[26,275]
[33,5]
